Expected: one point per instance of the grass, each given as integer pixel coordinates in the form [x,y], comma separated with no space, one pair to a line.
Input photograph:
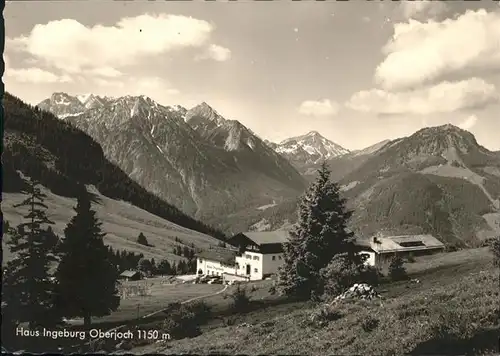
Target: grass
[451,311]
[158,297]
[121,221]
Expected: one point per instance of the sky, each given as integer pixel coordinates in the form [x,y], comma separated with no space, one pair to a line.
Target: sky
[358,72]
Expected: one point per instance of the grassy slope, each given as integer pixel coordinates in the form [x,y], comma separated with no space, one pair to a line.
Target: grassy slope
[412,318]
[158,296]
[122,222]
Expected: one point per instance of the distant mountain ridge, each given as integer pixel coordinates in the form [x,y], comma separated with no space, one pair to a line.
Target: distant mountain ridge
[308,149]
[438,180]
[203,164]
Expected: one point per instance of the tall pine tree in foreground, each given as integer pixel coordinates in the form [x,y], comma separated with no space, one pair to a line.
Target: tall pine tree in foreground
[87,279]
[319,235]
[28,292]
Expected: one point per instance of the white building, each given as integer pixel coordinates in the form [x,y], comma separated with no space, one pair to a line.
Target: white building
[257,255]
[381,249]
[216,261]
[261,253]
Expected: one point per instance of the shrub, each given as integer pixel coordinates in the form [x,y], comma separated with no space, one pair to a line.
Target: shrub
[495,249]
[370,324]
[322,315]
[341,274]
[410,258]
[241,300]
[184,319]
[397,271]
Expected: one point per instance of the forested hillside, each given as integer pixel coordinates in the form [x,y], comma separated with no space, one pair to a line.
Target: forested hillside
[63,157]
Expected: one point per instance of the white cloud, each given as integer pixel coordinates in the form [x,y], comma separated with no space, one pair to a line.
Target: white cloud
[444,97]
[154,87]
[70,46]
[469,122]
[108,72]
[319,108]
[215,52]
[424,52]
[421,9]
[35,76]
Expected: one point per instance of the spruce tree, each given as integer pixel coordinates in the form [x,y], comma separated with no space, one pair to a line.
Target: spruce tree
[28,291]
[397,270]
[164,267]
[320,234]
[141,239]
[87,277]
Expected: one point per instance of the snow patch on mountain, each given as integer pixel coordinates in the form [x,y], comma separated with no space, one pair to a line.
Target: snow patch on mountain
[63,116]
[308,148]
[83,97]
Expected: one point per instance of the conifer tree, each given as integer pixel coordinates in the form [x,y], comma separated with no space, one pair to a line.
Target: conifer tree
[28,291]
[141,239]
[320,234]
[164,267]
[87,278]
[397,270]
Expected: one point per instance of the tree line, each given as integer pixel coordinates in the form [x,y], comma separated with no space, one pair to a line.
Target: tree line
[51,278]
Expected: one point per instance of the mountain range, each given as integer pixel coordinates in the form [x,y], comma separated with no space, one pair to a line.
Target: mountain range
[438,180]
[64,160]
[195,159]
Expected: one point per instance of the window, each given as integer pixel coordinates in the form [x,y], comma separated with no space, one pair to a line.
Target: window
[212,273]
[279,257]
[249,257]
[255,270]
[217,273]
[411,243]
[256,258]
[274,258]
[201,261]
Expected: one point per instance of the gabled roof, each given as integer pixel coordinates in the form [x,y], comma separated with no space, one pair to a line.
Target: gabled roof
[225,256]
[267,237]
[129,273]
[404,243]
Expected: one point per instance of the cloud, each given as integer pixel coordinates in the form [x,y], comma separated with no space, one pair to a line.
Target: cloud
[425,52]
[155,87]
[108,72]
[421,9]
[70,46]
[216,52]
[444,97]
[319,108]
[35,76]
[469,122]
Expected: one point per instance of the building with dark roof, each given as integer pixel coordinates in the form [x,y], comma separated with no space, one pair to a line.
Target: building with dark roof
[261,252]
[130,275]
[382,248]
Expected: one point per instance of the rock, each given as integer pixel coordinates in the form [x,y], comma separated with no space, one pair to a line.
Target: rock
[359,291]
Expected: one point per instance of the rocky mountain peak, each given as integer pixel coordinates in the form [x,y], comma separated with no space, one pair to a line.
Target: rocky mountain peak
[205,112]
[309,148]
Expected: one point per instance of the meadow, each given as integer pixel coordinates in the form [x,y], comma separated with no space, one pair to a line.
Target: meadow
[453,309]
